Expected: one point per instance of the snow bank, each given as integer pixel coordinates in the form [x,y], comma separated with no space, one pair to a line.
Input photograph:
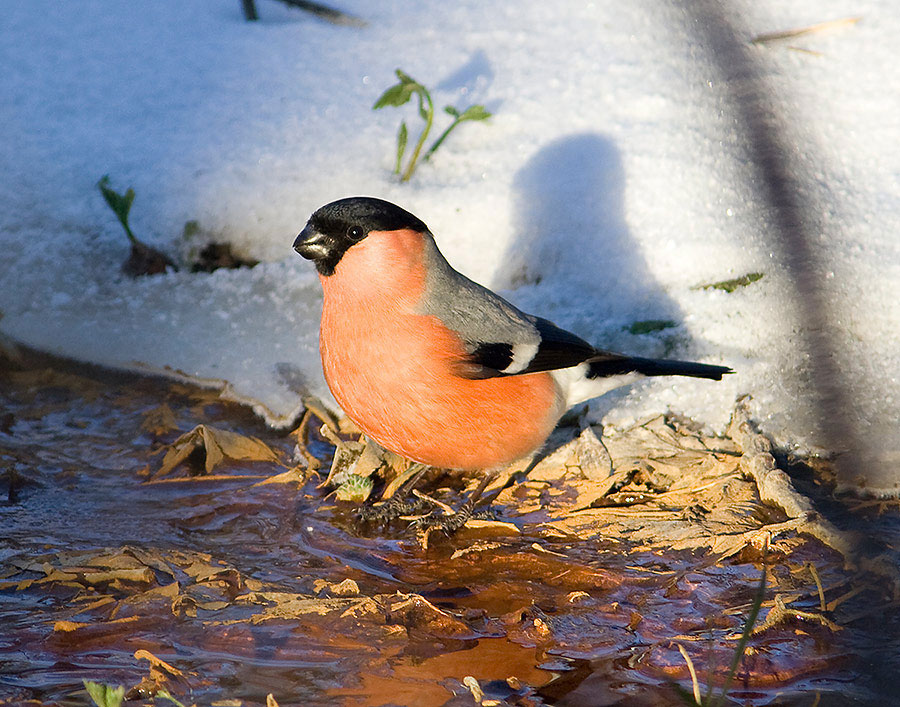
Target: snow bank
[612,182]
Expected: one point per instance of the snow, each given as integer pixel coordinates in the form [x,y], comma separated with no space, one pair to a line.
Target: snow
[613,180]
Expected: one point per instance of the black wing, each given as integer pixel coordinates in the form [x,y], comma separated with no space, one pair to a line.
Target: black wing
[556,348]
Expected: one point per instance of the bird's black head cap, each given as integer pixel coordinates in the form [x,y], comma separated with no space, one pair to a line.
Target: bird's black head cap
[336,227]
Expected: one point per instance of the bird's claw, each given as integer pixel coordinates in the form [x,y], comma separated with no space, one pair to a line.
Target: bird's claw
[390,510]
[450,523]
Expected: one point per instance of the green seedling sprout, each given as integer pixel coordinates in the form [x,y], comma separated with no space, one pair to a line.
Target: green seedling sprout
[400,94]
[355,488]
[143,260]
[105,695]
[475,112]
[119,203]
[397,95]
[733,284]
[650,326]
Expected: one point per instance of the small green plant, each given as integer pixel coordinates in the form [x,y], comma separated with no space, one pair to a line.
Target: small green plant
[400,94]
[650,326]
[709,699]
[355,488]
[105,695]
[143,259]
[474,112]
[733,284]
[119,203]
[164,693]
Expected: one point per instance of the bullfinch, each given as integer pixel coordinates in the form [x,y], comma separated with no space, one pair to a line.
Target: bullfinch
[432,365]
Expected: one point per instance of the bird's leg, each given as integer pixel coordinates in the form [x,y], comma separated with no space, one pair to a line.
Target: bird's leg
[452,522]
[396,506]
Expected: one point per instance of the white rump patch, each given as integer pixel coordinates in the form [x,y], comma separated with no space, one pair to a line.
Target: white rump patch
[576,387]
[522,355]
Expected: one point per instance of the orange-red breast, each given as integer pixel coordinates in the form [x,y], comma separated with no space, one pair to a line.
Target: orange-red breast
[432,365]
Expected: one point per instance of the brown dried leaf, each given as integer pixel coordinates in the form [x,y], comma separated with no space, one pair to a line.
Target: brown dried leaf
[96,604]
[346,588]
[151,558]
[397,482]
[295,475]
[143,575]
[202,572]
[217,444]
[159,421]
[90,576]
[166,592]
[157,663]
[115,561]
[78,633]
[415,611]
[488,528]
[300,605]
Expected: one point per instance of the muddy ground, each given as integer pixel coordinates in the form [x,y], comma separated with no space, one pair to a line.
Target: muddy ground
[210,566]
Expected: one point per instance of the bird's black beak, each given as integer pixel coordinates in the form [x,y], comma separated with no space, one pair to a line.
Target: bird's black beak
[311,244]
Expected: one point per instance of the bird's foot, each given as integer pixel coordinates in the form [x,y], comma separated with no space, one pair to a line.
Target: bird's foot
[449,521]
[397,505]
[392,509]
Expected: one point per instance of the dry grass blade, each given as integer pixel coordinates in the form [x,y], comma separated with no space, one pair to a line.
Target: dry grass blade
[769,37]
[745,637]
[690,665]
[210,478]
[815,576]
[835,603]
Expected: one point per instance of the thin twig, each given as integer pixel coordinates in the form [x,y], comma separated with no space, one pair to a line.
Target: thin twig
[327,13]
[249,8]
[209,477]
[800,31]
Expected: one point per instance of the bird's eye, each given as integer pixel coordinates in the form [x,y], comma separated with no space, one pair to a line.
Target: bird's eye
[355,233]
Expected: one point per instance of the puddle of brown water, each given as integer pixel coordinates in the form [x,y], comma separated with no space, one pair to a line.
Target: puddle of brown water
[429,681]
[233,583]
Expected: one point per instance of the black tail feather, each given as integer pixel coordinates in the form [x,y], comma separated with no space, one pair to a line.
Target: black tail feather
[614,364]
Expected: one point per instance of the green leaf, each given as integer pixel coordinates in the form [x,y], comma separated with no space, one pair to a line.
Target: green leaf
[733,284]
[105,695]
[476,112]
[191,229]
[396,95]
[406,78]
[650,326]
[163,692]
[119,203]
[402,137]
[356,488]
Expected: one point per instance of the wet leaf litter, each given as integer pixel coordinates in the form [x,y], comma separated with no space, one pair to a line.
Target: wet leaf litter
[160,539]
